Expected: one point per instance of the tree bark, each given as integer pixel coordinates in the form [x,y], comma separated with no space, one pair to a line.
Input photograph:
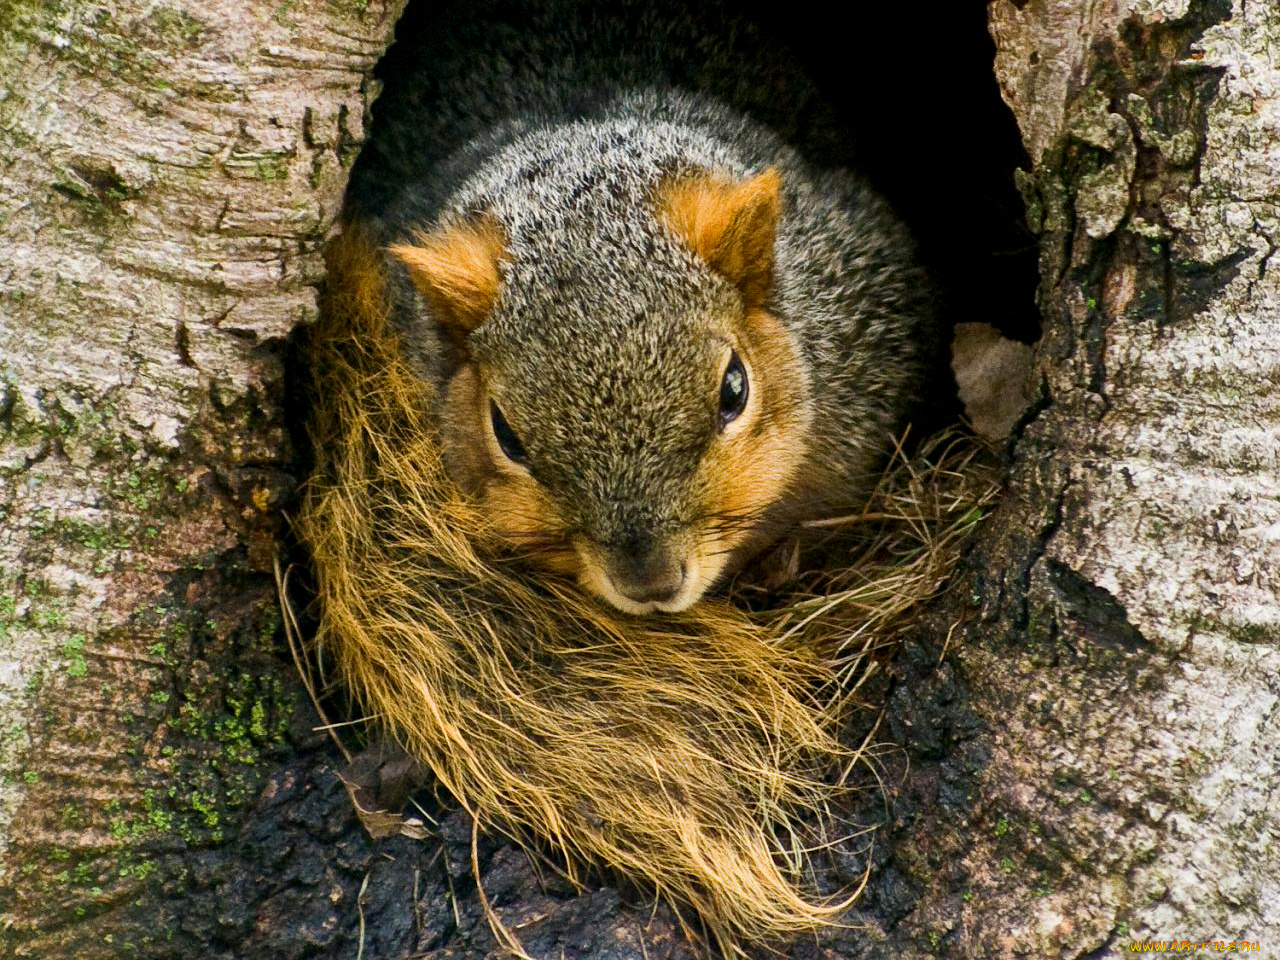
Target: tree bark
[169,172]
[1088,758]
[1108,724]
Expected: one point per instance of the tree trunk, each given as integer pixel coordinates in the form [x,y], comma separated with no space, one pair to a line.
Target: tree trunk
[1089,758]
[1107,715]
[169,173]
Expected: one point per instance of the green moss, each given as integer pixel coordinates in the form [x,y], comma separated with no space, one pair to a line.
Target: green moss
[272,168]
[113,52]
[8,615]
[349,7]
[1246,633]
[257,721]
[175,24]
[136,869]
[73,650]
[95,536]
[23,428]
[213,739]
[160,819]
[37,588]
[267,166]
[269,628]
[207,806]
[35,681]
[98,193]
[136,495]
[217,736]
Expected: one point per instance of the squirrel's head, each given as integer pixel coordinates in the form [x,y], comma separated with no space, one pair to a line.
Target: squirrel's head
[623,401]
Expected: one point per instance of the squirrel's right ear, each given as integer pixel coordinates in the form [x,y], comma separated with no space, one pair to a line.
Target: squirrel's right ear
[456,268]
[728,223]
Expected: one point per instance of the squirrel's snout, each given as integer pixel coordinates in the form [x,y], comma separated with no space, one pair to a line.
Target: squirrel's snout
[645,568]
[643,575]
[660,586]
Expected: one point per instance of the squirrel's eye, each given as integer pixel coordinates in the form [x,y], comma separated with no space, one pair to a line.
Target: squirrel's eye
[733,390]
[507,438]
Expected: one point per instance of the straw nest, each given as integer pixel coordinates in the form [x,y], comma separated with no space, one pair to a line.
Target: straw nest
[684,751]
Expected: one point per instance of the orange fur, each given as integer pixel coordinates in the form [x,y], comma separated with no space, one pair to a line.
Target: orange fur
[728,224]
[529,523]
[456,268]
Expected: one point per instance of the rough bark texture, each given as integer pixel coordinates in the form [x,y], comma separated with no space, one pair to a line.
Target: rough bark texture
[1092,761]
[1120,658]
[1157,576]
[167,174]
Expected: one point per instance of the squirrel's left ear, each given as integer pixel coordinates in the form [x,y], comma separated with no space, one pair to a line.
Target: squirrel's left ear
[728,223]
[456,268]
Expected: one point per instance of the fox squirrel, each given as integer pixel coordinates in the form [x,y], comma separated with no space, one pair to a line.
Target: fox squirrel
[664,324]
[607,285]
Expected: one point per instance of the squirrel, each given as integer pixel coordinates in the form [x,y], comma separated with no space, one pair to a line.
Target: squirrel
[665,322]
[608,287]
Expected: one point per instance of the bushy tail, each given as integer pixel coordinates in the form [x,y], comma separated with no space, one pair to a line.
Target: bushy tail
[679,751]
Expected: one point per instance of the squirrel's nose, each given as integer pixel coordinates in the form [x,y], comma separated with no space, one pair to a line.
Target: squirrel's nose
[665,587]
[647,572]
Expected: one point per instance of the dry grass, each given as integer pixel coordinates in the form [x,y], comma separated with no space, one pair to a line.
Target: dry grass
[681,750]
